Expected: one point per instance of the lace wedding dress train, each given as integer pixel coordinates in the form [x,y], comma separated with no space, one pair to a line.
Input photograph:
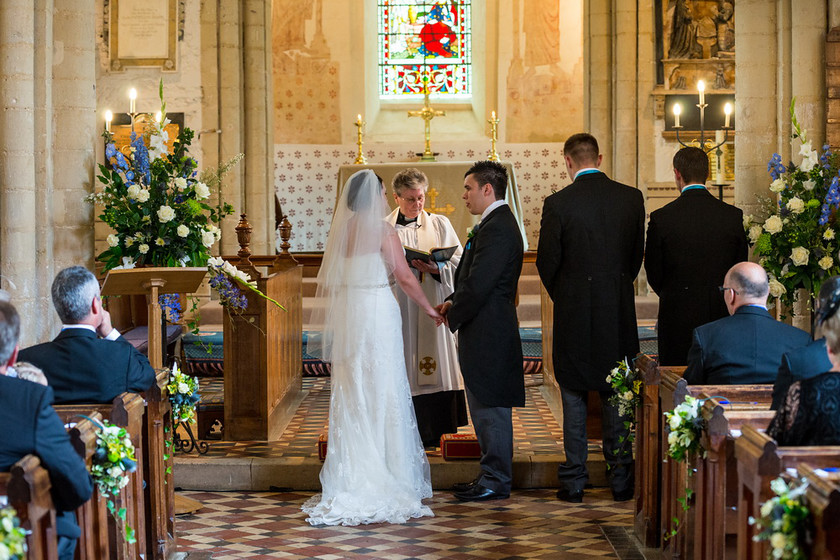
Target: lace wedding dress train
[376,470]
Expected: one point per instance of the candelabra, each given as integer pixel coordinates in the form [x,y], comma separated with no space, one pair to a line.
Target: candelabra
[492,155]
[360,157]
[132,114]
[720,139]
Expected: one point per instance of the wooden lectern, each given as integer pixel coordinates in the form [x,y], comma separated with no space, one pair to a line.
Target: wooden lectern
[153,282]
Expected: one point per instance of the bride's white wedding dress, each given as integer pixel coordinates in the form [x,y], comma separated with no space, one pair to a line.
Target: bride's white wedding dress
[376,469]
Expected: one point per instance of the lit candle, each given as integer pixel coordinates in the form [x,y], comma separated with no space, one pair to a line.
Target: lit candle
[677,111]
[727,110]
[109,116]
[132,97]
[492,115]
[359,119]
[701,87]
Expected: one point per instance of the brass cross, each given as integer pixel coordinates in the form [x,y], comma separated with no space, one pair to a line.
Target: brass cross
[432,194]
[427,114]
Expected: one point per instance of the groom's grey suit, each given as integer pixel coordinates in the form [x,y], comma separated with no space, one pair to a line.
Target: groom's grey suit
[489,348]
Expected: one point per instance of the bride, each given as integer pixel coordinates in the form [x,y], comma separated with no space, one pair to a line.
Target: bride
[376,470]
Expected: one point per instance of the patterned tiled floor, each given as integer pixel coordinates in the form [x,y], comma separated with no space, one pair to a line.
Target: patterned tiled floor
[535,428]
[531,524]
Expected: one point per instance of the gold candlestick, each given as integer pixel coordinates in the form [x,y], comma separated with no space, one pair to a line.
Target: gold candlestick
[360,157]
[493,155]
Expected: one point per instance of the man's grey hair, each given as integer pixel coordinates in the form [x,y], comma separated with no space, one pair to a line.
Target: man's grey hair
[750,287]
[73,291]
[9,331]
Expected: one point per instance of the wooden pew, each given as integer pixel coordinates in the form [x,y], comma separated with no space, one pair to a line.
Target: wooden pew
[649,453]
[675,476]
[93,515]
[27,487]
[126,411]
[823,499]
[157,471]
[715,481]
[760,460]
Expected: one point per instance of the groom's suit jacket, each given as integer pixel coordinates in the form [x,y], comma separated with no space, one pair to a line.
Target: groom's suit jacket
[83,368]
[484,312]
[590,251]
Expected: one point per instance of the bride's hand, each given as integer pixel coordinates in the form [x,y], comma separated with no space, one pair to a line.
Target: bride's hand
[438,318]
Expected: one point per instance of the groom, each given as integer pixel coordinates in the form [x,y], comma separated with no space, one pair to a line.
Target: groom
[483,311]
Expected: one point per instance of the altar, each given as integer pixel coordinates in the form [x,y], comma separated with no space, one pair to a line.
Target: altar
[446,186]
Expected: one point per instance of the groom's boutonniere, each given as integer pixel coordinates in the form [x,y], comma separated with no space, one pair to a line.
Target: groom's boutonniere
[470,235]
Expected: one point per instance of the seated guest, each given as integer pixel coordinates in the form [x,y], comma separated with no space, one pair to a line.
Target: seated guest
[34,428]
[810,413]
[808,361]
[747,346]
[80,366]
[28,372]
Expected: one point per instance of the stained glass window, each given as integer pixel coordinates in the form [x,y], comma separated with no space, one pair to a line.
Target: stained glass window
[425,44]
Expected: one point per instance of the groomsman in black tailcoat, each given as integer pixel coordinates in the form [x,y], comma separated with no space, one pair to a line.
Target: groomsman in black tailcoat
[590,251]
[691,243]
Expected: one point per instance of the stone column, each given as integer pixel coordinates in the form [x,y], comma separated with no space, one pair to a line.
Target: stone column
[18,241]
[229,86]
[756,100]
[598,76]
[808,30]
[258,123]
[625,69]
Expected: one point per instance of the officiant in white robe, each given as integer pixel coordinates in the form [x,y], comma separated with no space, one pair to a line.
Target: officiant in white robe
[431,357]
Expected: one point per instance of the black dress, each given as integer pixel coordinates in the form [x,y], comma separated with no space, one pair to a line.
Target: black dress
[810,414]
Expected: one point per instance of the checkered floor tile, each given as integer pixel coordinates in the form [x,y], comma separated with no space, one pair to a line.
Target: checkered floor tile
[531,524]
[535,428]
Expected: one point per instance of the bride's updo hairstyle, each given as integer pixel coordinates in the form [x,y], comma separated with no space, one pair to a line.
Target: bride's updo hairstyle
[359,198]
[826,316]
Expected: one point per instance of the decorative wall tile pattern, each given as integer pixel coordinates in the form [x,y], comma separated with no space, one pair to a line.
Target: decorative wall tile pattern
[305,178]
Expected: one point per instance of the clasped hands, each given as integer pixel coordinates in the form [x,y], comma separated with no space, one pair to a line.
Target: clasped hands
[443,309]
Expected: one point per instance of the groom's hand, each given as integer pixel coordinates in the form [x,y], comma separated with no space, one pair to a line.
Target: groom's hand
[443,309]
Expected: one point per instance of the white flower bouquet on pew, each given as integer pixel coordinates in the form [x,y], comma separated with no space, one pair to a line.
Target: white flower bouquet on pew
[183,395]
[113,461]
[784,520]
[12,535]
[626,384]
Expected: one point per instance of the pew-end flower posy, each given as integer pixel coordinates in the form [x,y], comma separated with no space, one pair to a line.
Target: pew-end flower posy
[228,282]
[626,385]
[12,535]
[784,520]
[796,240]
[183,395]
[685,423]
[113,461]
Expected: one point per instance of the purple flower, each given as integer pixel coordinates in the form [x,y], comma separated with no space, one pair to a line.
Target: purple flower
[775,167]
[171,303]
[110,150]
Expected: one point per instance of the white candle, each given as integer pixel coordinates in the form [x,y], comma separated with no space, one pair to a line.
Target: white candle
[492,115]
[109,116]
[132,99]
[359,118]
[727,111]
[677,111]
[701,88]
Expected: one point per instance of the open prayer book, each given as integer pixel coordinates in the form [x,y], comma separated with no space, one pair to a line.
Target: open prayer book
[437,254]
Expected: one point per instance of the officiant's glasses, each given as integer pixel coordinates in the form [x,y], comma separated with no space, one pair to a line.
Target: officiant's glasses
[724,288]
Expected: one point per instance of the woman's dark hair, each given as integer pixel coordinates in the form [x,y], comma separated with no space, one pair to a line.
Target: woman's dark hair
[354,186]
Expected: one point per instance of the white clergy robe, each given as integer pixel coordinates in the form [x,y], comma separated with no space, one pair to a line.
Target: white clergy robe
[430,353]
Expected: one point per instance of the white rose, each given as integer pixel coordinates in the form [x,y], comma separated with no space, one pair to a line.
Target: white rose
[180,183]
[115,472]
[207,238]
[143,248]
[628,395]
[773,225]
[113,240]
[182,231]
[132,191]
[799,256]
[143,195]
[808,185]
[828,235]
[748,219]
[202,191]
[777,540]
[826,262]
[755,233]
[796,205]
[777,289]
[766,508]
[778,185]
[166,214]
[183,388]
[675,422]
[672,438]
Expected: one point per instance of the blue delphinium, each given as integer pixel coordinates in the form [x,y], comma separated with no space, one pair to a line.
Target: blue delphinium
[172,304]
[775,167]
[832,199]
[110,150]
[230,295]
[141,157]
[825,157]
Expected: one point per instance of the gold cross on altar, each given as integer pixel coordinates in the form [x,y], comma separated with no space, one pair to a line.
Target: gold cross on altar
[432,194]
[427,114]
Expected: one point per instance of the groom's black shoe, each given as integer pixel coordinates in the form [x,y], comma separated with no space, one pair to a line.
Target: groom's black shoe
[571,496]
[479,493]
[464,486]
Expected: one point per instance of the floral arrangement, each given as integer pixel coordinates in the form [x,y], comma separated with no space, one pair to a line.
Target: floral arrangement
[12,536]
[685,424]
[183,394]
[796,242]
[228,280]
[784,520]
[155,202]
[626,384]
[112,462]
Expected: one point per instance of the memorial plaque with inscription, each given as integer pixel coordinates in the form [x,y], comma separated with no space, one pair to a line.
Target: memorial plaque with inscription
[143,33]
